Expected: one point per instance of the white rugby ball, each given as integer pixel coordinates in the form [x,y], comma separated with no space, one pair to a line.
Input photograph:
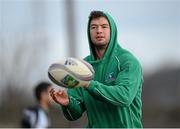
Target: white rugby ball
[70,72]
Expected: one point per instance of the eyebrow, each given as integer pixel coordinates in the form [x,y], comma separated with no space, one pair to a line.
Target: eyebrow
[101,25]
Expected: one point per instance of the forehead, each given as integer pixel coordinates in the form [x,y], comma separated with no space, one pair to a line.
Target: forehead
[99,21]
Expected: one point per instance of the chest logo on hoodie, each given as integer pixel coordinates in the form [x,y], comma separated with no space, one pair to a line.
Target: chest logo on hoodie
[110,77]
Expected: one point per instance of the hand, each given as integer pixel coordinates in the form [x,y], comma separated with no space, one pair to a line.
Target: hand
[60,97]
[86,85]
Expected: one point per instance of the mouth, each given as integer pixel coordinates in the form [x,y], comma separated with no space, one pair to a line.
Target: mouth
[99,38]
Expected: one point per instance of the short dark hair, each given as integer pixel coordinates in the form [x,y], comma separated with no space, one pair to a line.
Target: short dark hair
[96,14]
[41,87]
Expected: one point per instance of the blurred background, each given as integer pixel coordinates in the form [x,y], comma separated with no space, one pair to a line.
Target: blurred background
[36,33]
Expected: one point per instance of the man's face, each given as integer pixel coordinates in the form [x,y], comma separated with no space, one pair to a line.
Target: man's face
[100,32]
[45,96]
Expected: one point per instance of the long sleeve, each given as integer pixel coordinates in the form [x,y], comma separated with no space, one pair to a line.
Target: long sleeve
[76,106]
[127,84]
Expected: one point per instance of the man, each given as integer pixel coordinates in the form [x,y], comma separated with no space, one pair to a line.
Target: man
[37,116]
[113,97]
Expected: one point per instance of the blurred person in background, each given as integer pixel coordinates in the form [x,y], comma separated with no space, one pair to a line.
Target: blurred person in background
[113,98]
[37,116]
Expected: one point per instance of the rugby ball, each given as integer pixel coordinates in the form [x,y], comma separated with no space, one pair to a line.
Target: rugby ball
[70,72]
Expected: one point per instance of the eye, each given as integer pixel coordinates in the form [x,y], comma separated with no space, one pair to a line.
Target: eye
[93,27]
[105,26]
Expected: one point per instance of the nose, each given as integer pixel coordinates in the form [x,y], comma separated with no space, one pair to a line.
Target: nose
[99,29]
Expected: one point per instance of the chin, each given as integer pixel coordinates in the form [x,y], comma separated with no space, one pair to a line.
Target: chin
[101,44]
[98,43]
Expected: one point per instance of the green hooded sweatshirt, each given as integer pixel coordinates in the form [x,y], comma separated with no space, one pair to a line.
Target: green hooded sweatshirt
[113,98]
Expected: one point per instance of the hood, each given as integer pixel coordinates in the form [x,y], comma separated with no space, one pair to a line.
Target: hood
[112,42]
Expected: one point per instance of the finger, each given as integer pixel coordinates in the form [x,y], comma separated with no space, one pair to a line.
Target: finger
[55,99]
[54,92]
[60,92]
[64,92]
[51,91]
[52,95]
[55,96]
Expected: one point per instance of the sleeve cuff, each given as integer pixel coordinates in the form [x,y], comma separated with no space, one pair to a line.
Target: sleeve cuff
[91,86]
[70,105]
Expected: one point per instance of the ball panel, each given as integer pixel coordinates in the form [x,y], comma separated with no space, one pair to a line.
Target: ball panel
[70,73]
[77,72]
[65,79]
[69,81]
[89,66]
[77,67]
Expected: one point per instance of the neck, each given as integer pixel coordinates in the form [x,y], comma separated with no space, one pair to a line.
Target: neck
[100,52]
